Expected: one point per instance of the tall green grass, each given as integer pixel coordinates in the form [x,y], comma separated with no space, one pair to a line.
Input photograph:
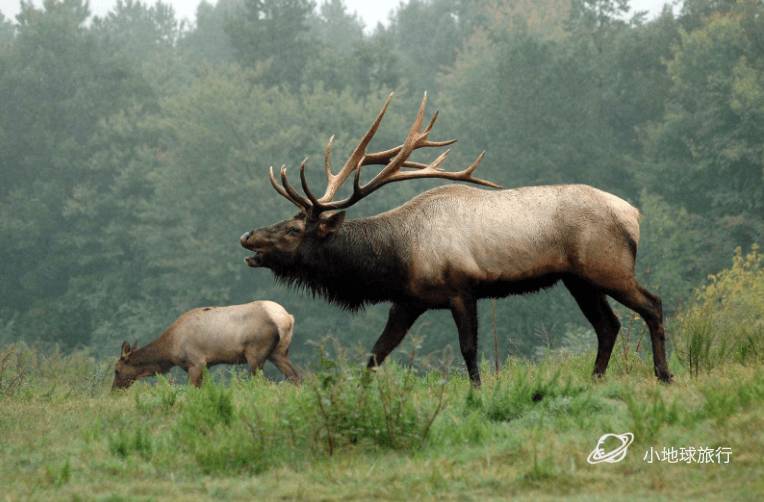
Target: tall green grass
[725,321]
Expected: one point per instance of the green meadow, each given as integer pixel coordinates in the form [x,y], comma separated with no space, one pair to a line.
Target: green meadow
[401,432]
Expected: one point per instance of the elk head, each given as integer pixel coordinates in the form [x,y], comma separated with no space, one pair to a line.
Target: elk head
[278,246]
[124,372]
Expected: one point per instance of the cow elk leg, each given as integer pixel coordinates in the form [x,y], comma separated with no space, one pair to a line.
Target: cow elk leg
[285,366]
[256,356]
[399,321]
[464,311]
[195,375]
[594,305]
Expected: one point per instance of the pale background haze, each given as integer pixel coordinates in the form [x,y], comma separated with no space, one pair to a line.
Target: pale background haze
[371,12]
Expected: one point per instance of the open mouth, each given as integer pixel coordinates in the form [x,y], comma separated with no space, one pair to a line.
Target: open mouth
[256,260]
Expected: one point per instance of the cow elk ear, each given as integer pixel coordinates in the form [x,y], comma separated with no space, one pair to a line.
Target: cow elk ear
[328,225]
[126,350]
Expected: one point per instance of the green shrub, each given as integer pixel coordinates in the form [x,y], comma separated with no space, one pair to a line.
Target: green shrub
[206,407]
[520,391]
[648,418]
[354,406]
[159,397]
[124,442]
[59,476]
[725,321]
[727,399]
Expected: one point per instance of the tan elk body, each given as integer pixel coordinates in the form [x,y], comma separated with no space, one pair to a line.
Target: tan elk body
[515,235]
[451,246]
[250,333]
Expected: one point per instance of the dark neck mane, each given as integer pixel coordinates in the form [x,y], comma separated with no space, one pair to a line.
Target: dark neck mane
[363,263]
[152,354]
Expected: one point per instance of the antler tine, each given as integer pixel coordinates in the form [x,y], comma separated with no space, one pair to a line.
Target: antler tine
[280,189]
[299,199]
[314,201]
[328,157]
[336,181]
[475,163]
[431,170]
[406,148]
[432,122]
[386,155]
[422,141]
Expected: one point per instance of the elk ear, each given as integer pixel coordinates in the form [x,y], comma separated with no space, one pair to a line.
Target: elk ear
[329,224]
[126,350]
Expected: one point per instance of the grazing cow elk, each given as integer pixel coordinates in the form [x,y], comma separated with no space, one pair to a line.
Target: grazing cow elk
[451,246]
[202,337]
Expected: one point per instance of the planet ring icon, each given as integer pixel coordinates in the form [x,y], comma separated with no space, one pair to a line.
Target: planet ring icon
[599,454]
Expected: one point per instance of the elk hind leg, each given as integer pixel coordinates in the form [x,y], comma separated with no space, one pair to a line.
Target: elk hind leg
[594,305]
[650,309]
[282,362]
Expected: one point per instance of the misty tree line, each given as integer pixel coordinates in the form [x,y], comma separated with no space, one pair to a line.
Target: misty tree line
[134,148]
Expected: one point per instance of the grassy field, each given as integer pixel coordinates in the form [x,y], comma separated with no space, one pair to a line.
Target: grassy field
[398,434]
[343,435]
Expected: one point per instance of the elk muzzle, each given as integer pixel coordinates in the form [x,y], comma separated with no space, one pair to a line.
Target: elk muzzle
[256,259]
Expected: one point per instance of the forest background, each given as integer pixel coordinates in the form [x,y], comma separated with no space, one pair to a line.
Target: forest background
[134,148]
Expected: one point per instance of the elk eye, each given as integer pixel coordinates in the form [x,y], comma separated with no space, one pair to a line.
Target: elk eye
[293,231]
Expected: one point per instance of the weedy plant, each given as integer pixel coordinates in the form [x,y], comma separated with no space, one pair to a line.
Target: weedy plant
[29,370]
[723,400]
[59,475]
[725,322]
[354,406]
[524,389]
[13,371]
[648,419]
[124,442]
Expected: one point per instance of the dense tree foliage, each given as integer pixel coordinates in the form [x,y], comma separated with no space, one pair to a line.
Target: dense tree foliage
[134,148]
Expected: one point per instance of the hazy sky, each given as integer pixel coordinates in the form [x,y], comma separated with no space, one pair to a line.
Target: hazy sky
[371,11]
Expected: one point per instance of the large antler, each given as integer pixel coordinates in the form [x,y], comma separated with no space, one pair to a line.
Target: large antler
[398,167]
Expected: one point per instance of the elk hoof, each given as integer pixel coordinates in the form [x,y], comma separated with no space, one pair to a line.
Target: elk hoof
[664,376]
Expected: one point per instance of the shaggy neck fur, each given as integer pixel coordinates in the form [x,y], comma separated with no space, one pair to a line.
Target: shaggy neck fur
[364,262]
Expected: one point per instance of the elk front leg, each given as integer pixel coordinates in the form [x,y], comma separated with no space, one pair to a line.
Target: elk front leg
[400,319]
[464,311]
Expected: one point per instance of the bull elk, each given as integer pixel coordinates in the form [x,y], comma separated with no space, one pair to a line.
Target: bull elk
[453,245]
[251,333]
